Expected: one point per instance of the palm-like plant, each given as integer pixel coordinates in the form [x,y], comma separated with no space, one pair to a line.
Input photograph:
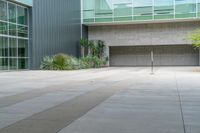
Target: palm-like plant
[101,46]
[84,45]
[47,63]
[90,47]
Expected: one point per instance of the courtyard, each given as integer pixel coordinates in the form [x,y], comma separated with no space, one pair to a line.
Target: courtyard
[106,100]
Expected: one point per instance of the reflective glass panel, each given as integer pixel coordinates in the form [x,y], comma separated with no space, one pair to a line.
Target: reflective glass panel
[143,9]
[3,63]
[13,63]
[3,28]
[12,47]
[164,9]
[22,31]
[88,10]
[22,15]
[22,48]
[198,7]
[28,2]
[22,63]
[103,10]
[3,10]
[12,12]
[3,46]
[122,10]
[12,29]
[185,8]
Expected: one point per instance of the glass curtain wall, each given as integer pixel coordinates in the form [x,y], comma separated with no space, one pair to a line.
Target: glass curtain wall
[198,8]
[13,36]
[185,8]
[164,9]
[123,10]
[103,11]
[97,11]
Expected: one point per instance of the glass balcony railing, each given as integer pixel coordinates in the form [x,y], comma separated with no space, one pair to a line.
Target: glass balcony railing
[114,11]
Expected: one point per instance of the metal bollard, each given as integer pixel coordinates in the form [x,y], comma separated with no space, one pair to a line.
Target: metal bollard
[152,62]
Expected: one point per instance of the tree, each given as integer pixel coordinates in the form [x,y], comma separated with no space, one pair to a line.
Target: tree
[90,47]
[84,45]
[195,38]
[101,46]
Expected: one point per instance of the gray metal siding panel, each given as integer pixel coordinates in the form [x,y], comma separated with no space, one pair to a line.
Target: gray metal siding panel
[56,28]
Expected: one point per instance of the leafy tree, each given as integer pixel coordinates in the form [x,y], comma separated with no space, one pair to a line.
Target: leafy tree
[90,47]
[101,46]
[84,45]
[195,38]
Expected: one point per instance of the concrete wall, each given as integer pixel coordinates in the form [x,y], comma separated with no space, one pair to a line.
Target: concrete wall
[176,55]
[56,28]
[144,34]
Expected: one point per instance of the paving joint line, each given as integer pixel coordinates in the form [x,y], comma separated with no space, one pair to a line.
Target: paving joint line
[180,104]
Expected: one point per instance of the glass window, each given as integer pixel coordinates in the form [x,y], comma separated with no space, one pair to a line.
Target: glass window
[103,10]
[3,63]
[28,2]
[12,29]
[88,10]
[22,31]
[3,47]
[3,10]
[12,12]
[3,28]
[143,9]
[22,63]
[164,9]
[22,15]
[198,7]
[185,8]
[22,48]
[13,63]
[14,26]
[122,10]
[12,47]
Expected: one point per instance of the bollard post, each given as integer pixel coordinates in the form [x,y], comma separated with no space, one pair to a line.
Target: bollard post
[152,62]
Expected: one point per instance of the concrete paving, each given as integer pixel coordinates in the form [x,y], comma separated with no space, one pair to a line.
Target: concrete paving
[108,100]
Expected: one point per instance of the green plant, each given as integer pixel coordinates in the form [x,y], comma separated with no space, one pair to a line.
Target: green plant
[98,48]
[47,63]
[195,38]
[84,42]
[101,46]
[60,62]
[84,45]
[92,62]
[90,47]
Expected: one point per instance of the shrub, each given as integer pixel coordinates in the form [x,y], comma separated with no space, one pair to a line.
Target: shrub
[92,62]
[47,63]
[195,38]
[66,62]
[60,62]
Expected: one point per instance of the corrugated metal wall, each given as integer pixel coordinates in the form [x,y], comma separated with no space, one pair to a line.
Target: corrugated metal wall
[56,28]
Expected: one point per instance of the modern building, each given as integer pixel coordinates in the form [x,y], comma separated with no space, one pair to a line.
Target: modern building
[32,29]
[131,29]
[14,35]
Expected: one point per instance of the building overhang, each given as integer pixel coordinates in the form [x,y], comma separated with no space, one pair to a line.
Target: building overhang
[141,22]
